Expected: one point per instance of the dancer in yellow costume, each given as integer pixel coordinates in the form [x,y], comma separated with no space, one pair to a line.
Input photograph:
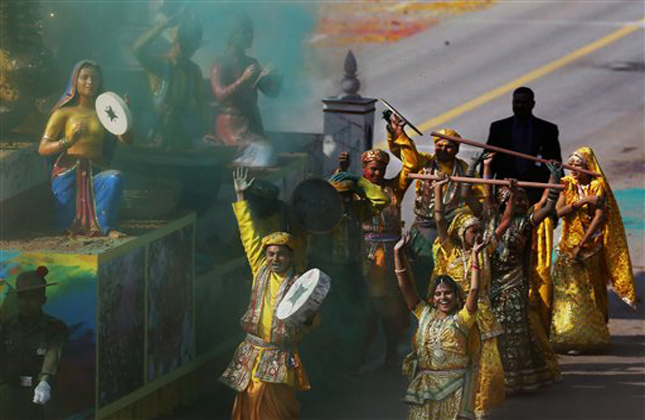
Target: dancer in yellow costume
[452,257]
[266,369]
[592,251]
[443,161]
[442,366]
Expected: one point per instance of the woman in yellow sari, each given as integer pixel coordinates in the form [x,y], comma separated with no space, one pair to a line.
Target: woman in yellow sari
[592,251]
[443,364]
[452,257]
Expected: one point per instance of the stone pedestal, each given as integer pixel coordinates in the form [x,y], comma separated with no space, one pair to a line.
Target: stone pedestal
[348,127]
[348,124]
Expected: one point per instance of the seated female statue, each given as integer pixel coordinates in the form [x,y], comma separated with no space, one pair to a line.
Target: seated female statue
[86,194]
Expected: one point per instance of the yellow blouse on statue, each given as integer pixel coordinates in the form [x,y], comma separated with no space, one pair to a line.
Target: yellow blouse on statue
[62,123]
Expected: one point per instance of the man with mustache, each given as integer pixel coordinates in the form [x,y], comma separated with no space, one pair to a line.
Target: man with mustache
[266,369]
[443,161]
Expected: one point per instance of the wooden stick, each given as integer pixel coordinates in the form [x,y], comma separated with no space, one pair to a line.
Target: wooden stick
[522,184]
[509,152]
[391,108]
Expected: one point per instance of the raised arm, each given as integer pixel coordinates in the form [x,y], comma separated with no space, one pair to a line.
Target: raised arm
[140,47]
[466,188]
[489,200]
[507,217]
[402,146]
[403,273]
[475,270]
[439,215]
[548,208]
[394,127]
[248,231]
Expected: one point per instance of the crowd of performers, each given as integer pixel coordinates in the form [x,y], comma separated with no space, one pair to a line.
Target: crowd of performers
[475,270]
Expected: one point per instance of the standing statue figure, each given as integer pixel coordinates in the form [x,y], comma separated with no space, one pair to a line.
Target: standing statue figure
[176,82]
[235,81]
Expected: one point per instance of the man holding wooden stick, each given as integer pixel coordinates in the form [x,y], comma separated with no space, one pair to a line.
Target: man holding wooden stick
[443,161]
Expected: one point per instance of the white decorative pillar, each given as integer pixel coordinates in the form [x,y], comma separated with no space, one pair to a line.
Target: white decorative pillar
[349,122]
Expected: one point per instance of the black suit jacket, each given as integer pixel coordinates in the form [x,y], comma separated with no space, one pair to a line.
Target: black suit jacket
[544,143]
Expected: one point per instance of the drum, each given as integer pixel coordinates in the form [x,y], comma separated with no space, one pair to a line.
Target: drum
[304,297]
[317,207]
[113,113]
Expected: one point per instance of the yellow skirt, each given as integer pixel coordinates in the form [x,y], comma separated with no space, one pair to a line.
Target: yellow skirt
[446,409]
[490,384]
[266,401]
[544,347]
[579,320]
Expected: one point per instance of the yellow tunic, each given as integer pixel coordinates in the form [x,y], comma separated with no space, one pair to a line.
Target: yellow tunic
[257,259]
[416,162]
[450,259]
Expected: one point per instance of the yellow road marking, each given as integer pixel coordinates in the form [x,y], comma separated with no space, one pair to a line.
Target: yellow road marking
[530,76]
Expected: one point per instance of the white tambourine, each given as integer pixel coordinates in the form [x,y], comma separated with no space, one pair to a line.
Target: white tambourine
[113,113]
[304,297]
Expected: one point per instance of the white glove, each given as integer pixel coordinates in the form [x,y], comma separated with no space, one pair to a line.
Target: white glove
[42,393]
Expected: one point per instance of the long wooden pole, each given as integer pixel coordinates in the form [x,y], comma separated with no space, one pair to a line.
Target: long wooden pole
[522,184]
[509,152]
[391,108]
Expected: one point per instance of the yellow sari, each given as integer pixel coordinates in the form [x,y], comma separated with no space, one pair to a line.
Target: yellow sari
[451,258]
[580,305]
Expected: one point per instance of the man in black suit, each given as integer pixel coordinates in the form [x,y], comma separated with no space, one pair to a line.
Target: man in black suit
[525,133]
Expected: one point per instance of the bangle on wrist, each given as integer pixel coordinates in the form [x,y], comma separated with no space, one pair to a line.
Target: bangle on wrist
[401,271]
[474,267]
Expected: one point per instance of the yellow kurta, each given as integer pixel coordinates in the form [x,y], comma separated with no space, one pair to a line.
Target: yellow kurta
[257,259]
[379,264]
[451,260]
[414,162]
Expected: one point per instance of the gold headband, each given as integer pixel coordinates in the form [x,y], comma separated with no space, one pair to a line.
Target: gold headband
[376,155]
